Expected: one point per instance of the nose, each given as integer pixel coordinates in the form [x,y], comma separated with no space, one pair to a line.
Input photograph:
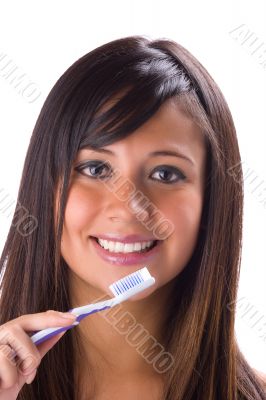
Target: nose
[127,204]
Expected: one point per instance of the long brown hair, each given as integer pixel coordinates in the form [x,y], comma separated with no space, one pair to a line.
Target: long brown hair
[200,325]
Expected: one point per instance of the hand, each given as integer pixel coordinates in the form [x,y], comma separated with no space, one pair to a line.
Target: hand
[19,356]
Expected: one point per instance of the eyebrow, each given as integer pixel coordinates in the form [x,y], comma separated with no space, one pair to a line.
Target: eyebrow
[172,153]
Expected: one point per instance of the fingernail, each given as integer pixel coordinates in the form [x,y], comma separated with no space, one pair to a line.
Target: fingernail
[67,315]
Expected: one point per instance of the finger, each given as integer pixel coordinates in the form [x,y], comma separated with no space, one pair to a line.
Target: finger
[13,334]
[45,346]
[39,321]
[30,377]
[25,355]
[8,369]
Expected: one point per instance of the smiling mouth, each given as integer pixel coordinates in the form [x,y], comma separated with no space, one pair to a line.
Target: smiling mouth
[131,251]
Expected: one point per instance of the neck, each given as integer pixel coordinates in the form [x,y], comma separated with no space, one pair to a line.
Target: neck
[107,344]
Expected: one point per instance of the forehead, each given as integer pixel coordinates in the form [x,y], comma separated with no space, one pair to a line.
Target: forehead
[168,127]
[168,130]
[171,122]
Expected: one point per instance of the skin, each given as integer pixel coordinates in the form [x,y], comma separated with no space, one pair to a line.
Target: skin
[92,209]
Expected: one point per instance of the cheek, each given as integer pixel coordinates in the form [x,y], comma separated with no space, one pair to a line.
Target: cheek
[184,211]
[80,208]
[80,213]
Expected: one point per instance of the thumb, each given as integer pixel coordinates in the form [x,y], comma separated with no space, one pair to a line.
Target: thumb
[45,346]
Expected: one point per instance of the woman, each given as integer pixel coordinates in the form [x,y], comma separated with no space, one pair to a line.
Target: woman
[126,112]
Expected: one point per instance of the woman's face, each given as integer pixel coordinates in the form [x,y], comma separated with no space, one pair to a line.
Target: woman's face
[172,184]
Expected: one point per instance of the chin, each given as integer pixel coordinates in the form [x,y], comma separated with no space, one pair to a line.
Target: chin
[142,295]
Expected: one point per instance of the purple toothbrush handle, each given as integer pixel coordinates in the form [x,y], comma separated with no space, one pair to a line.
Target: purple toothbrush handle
[49,335]
[80,317]
[65,328]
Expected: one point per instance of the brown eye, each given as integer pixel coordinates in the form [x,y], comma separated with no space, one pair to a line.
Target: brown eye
[94,169]
[169,174]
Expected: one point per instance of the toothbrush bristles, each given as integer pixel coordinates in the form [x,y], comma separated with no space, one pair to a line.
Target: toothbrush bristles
[130,281]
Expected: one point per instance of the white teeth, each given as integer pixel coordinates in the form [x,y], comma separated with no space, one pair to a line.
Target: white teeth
[137,247]
[124,247]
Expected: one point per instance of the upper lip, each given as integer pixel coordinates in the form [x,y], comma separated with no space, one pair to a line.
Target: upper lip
[133,238]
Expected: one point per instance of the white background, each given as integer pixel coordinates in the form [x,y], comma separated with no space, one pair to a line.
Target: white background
[44,38]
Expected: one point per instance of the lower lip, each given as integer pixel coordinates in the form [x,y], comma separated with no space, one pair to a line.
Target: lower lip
[125,258]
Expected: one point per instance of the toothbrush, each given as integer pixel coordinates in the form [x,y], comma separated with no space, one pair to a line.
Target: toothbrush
[122,289]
